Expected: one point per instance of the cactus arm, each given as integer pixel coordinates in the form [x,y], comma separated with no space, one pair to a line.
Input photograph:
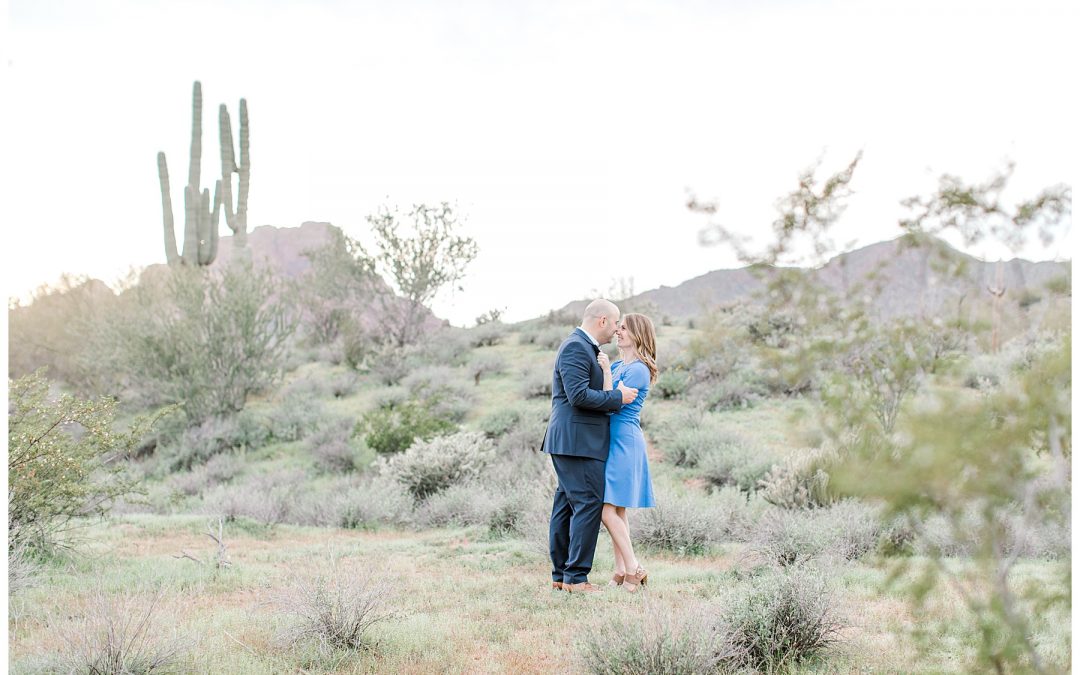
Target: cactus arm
[191,224]
[228,165]
[244,170]
[171,255]
[214,222]
[196,135]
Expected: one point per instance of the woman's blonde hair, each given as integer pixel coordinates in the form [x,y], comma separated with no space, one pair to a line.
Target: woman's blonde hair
[643,335]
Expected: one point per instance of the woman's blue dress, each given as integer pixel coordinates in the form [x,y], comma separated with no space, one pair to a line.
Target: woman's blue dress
[626,478]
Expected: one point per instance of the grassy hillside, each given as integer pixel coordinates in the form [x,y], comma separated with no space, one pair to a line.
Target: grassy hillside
[464,588]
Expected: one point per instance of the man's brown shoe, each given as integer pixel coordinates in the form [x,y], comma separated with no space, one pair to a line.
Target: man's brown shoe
[557,586]
[583,587]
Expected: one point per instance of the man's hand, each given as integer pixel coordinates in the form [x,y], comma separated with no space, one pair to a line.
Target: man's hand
[628,394]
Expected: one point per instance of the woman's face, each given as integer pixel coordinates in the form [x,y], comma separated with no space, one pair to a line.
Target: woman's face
[622,334]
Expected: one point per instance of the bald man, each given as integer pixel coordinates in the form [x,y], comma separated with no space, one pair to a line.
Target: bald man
[577,440]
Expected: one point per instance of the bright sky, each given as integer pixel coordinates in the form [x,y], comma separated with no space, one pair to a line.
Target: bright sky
[566,132]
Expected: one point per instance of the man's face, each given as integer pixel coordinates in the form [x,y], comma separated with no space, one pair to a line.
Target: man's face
[608,325]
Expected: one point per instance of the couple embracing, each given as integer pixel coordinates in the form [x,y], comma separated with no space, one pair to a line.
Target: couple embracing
[596,445]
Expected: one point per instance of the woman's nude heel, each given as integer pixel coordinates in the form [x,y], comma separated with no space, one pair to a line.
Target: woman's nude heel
[616,579]
[632,581]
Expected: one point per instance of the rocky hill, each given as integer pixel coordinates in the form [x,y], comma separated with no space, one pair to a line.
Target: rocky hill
[909,279]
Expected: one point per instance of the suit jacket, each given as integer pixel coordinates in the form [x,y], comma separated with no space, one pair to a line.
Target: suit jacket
[579,405]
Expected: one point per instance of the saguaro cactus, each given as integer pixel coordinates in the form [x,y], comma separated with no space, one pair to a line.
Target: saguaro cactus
[236,219]
[200,217]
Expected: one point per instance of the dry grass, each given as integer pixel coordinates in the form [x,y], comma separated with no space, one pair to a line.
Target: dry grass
[461,602]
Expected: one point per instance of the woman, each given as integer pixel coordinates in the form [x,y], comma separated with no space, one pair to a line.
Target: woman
[627,483]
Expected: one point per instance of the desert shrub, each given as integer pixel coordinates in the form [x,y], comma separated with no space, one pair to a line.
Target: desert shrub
[441,391]
[845,530]
[688,445]
[22,569]
[217,470]
[672,383]
[335,611]
[536,383]
[390,364]
[392,430]
[545,337]
[740,388]
[740,465]
[296,416]
[428,467]
[683,525]
[343,385]
[984,371]
[501,421]
[486,364]
[459,505]
[937,535]
[373,503]
[197,444]
[64,460]
[666,643]
[513,502]
[266,498]
[203,338]
[801,480]
[444,346]
[330,446]
[487,334]
[526,437]
[116,635]
[780,619]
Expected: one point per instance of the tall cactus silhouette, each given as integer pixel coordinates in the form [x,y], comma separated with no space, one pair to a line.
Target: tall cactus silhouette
[200,216]
[235,218]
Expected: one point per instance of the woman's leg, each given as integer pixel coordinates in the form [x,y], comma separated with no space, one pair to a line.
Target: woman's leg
[620,534]
[629,550]
[613,524]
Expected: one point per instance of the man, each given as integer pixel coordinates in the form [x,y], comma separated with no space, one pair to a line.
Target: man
[577,440]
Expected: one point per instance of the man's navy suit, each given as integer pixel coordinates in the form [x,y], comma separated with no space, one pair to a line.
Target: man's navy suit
[577,440]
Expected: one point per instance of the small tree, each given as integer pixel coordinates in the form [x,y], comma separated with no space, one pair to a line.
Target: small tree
[64,460]
[339,286]
[957,455]
[203,338]
[419,265]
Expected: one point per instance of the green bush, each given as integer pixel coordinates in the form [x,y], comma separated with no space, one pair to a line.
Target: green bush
[458,505]
[536,383]
[682,525]
[64,460]
[670,643]
[780,619]
[689,445]
[392,430]
[428,467]
[487,334]
[846,530]
[742,466]
[500,421]
[203,338]
[441,391]
[486,364]
[672,383]
[801,480]
[376,502]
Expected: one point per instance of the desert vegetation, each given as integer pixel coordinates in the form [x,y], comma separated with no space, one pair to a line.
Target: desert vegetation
[222,468]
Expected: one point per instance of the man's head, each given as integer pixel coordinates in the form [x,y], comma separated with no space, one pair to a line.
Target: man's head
[601,319]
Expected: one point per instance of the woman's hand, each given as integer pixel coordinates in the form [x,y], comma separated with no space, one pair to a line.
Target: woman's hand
[604,361]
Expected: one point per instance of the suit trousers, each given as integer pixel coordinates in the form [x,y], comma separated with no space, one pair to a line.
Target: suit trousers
[575,517]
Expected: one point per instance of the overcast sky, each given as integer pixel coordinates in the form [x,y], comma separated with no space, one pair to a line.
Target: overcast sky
[567,133]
